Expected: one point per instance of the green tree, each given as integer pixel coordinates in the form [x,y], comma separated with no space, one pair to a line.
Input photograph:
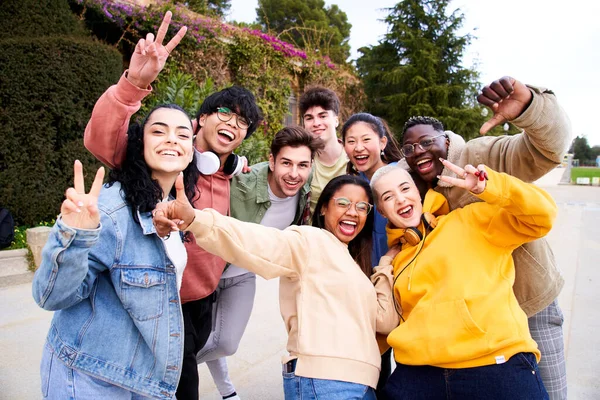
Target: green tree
[417,69]
[581,150]
[308,24]
[218,8]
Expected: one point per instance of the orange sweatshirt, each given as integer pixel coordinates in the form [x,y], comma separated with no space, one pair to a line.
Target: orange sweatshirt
[455,286]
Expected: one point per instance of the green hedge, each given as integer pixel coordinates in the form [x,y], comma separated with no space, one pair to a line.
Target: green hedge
[37,18]
[48,87]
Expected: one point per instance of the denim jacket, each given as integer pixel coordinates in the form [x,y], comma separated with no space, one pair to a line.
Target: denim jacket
[250,197]
[118,314]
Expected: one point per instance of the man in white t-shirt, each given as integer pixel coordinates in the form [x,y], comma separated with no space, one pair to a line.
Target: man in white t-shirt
[320,108]
[275,193]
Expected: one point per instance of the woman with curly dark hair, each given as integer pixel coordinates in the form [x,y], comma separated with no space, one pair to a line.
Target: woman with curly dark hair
[114,283]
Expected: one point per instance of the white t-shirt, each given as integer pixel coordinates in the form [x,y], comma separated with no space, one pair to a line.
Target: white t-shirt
[176,253]
[280,215]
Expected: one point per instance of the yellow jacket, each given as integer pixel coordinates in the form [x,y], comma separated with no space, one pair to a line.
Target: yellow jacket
[455,286]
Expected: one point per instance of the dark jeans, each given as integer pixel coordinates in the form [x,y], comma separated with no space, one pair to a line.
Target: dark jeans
[386,371]
[197,324]
[518,378]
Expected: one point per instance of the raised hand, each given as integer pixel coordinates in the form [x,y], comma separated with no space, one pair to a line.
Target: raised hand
[150,56]
[174,215]
[507,97]
[80,210]
[469,178]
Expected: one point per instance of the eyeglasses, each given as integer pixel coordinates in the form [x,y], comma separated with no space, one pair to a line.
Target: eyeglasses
[425,143]
[225,115]
[362,207]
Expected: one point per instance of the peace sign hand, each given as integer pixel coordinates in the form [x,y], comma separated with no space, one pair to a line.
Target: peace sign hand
[80,210]
[150,55]
[470,178]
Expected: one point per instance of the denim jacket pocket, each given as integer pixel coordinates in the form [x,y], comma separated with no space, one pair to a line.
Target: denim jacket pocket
[45,368]
[143,292]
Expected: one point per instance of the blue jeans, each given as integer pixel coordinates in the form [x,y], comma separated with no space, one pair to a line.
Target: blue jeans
[60,382]
[518,378]
[300,388]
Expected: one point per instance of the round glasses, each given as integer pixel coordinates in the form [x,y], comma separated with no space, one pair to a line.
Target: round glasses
[225,114]
[409,149]
[362,207]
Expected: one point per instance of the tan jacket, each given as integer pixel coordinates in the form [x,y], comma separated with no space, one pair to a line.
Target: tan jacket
[330,308]
[528,156]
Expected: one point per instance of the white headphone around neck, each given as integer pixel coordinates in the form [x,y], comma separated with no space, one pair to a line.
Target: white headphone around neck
[208,163]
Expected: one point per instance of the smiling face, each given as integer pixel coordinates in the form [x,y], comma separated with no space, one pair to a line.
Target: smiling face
[345,222]
[321,123]
[168,143]
[289,171]
[398,199]
[426,162]
[219,137]
[363,146]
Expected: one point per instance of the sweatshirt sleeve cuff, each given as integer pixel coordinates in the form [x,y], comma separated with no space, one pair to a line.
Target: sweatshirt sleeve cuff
[203,223]
[385,260]
[533,111]
[127,93]
[492,193]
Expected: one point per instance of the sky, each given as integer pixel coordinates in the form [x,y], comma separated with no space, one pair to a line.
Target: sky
[549,43]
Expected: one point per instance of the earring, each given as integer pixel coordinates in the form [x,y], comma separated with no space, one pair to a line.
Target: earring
[381,153]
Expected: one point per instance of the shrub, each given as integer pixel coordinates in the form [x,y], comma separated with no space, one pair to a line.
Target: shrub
[48,87]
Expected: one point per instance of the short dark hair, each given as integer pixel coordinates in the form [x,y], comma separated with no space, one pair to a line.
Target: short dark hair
[296,136]
[361,246]
[319,96]
[237,99]
[422,120]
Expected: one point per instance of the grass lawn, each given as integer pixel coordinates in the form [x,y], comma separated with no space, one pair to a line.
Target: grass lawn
[579,172]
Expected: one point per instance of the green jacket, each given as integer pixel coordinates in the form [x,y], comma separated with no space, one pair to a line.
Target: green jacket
[250,197]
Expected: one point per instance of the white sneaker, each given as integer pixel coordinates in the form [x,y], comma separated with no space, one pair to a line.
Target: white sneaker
[236,397]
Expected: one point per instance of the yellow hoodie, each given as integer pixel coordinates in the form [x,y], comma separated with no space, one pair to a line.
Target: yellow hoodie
[455,286]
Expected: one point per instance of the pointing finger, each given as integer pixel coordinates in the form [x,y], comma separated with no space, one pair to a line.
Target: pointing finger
[164,27]
[97,185]
[180,188]
[78,183]
[176,39]
[496,120]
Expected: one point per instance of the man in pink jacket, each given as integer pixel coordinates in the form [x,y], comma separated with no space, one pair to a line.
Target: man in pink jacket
[223,121]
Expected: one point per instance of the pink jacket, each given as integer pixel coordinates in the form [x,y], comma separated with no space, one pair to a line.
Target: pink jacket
[106,138]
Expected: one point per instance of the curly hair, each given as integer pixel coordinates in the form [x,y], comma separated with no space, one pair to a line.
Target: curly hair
[142,192]
[361,246]
[422,120]
[238,99]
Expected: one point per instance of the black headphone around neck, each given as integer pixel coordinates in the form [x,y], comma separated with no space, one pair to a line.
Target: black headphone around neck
[208,163]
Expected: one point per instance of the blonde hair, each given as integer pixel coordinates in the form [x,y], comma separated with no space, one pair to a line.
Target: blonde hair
[382,172]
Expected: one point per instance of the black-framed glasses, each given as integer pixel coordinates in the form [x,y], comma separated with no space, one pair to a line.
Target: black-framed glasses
[362,207]
[225,115]
[425,143]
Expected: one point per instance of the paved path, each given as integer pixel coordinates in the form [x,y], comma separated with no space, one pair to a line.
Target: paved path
[255,369]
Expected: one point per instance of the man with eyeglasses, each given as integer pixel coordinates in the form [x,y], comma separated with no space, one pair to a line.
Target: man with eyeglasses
[223,121]
[528,156]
